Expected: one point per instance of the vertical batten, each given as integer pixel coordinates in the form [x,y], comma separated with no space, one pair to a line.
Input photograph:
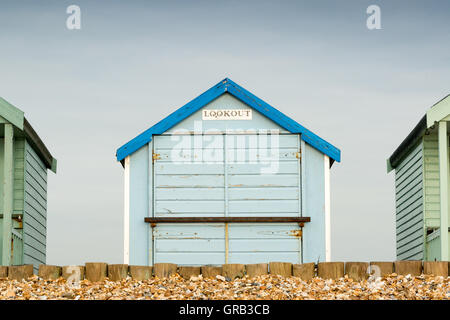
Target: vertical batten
[7,193]
[302,177]
[226,203]
[314,237]
[139,206]
[300,190]
[126,215]
[327,209]
[151,197]
[443,169]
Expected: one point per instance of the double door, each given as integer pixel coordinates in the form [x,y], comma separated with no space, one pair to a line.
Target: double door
[226,175]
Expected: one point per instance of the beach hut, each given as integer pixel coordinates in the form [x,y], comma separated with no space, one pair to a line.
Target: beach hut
[24,161]
[226,178]
[421,165]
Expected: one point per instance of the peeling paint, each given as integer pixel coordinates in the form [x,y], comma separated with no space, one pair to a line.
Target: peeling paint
[296,233]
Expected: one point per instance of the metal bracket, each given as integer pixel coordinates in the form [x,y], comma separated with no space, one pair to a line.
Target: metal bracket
[298,155]
[155,156]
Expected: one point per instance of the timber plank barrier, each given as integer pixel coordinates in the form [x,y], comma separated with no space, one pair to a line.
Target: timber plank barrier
[99,271]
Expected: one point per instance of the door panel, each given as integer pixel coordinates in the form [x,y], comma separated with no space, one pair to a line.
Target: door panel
[189,243]
[229,177]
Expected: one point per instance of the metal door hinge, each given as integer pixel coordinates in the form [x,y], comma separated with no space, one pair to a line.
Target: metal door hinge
[155,156]
[298,155]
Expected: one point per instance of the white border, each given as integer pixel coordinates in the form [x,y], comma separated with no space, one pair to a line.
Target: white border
[327,209]
[126,213]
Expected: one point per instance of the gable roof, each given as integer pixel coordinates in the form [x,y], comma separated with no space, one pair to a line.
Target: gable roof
[243,95]
[436,113]
[16,117]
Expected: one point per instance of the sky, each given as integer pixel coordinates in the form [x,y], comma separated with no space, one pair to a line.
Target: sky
[88,91]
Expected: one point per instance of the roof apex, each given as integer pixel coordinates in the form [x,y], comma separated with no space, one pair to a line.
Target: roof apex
[17,118]
[227,85]
[438,111]
[12,114]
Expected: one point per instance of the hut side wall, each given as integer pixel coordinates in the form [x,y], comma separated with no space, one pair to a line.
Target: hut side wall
[19,156]
[314,205]
[139,187]
[19,178]
[409,206]
[18,191]
[35,209]
[431,181]
[433,246]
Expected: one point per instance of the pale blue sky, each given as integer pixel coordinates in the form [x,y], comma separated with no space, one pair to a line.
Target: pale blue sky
[88,91]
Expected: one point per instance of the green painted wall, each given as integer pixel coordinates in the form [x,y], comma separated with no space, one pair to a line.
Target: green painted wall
[18,194]
[409,206]
[433,247]
[35,209]
[432,196]
[19,155]
[431,180]
[30,201]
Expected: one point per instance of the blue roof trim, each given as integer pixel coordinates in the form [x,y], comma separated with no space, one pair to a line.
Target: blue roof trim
[245,96]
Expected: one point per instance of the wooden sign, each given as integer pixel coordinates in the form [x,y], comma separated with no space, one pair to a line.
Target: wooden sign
[227,114]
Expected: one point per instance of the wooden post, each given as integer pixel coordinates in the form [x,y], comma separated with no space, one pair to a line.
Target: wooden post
[257,269]
[48,272]
[74,273]
[436,268]
[20,272]
[117,272]
[281,268]
[164,270]
[330,270]
[383,267]
[210,271]
[444,189]
[141,273]
[357,270]
[188,272]
[233,270]
[305,271]
[7,194]
[3,272]
[411,267]
[96,271]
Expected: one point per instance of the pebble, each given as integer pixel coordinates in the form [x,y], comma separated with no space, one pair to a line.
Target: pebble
[273,287]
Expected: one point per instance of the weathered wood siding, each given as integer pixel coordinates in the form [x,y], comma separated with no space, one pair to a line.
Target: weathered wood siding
[431,181]
[19,156]
[18,193]
[433,246]
[409,206]
[313,176]
[139,206]
[226,177]
[225,101]
[432,195]
[19,179]
[35,209]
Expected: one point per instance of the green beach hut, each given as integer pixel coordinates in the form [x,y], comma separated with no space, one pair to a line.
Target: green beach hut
[421,164]
[24,161]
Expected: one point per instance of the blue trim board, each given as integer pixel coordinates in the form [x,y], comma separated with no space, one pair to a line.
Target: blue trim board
[245,96]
